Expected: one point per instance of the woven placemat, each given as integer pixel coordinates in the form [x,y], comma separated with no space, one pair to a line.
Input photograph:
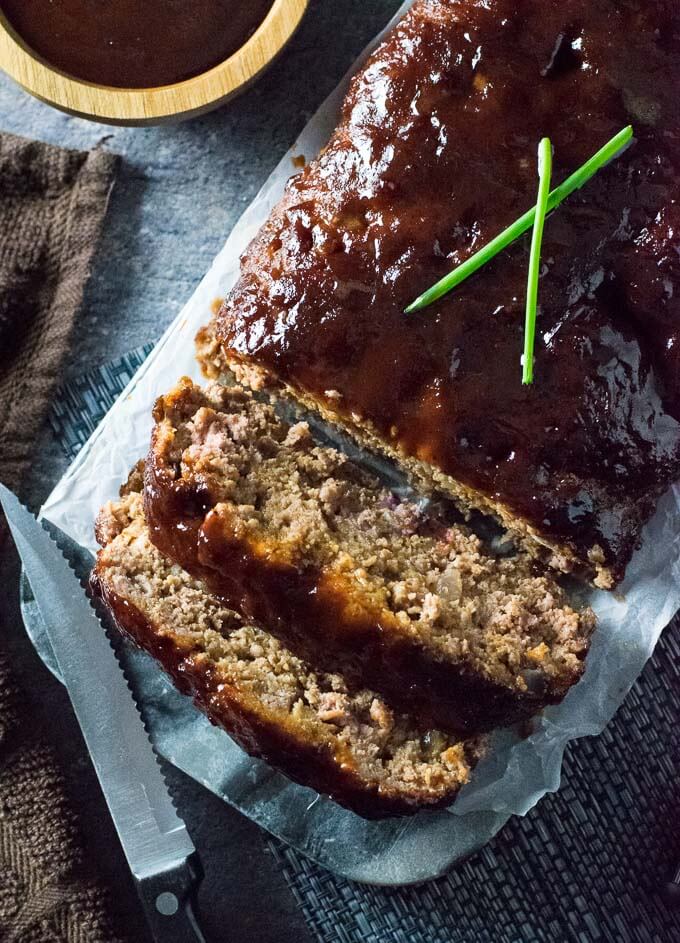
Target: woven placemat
[80,406]
[587,864]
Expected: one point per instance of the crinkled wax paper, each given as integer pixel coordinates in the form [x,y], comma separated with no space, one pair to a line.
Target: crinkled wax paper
[517,772]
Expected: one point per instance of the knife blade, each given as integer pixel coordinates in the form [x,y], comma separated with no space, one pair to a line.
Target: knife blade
[154,838]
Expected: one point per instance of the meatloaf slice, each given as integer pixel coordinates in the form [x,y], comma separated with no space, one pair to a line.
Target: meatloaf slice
[314,727]
[306,542]
[434,155]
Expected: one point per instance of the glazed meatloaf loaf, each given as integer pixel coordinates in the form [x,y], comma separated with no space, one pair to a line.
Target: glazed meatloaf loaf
[434,155]
[336,738]
[304,541]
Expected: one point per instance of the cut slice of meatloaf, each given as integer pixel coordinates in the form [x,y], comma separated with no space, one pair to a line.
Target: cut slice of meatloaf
[338,739]
[304,541]
[434,155]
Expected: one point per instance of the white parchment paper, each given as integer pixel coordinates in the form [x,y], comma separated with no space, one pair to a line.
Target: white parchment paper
[517,773]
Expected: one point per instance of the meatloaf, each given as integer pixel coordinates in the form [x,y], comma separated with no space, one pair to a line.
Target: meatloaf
[304,541]
[319,730]
[434,155]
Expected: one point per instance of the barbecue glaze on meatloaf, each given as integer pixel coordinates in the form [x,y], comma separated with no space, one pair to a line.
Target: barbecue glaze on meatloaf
[434,155]
[314,727]
[302,540]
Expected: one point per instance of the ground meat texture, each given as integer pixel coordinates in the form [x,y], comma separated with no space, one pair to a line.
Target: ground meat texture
[321,731]
[304,541]
[434,155]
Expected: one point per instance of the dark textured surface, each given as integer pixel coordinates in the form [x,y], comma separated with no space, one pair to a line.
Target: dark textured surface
[83,403]
[52,204]
[434,156]
[587,863]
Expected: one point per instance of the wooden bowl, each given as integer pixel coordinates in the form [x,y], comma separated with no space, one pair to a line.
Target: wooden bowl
[140,106]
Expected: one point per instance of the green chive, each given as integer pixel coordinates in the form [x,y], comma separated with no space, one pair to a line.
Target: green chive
[611,150]
[544,175]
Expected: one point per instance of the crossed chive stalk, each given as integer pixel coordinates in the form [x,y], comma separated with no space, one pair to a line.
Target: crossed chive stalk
[547,201]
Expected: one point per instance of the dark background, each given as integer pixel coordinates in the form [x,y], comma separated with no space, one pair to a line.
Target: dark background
[588,863]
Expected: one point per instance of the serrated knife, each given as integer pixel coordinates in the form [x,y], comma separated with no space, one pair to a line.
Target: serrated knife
[155,840]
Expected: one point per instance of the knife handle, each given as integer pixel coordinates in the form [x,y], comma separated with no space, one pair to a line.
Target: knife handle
[168,901]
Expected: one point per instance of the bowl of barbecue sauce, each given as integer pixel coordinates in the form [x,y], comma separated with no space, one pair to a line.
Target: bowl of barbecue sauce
[126,62]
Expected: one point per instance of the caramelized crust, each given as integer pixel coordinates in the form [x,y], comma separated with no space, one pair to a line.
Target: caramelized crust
[435,154]
[314,727]
[352,578]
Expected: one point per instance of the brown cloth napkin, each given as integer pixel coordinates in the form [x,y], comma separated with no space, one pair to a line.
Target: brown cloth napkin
[52,203]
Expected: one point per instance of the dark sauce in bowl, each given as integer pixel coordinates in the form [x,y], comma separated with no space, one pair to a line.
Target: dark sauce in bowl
[128,44]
